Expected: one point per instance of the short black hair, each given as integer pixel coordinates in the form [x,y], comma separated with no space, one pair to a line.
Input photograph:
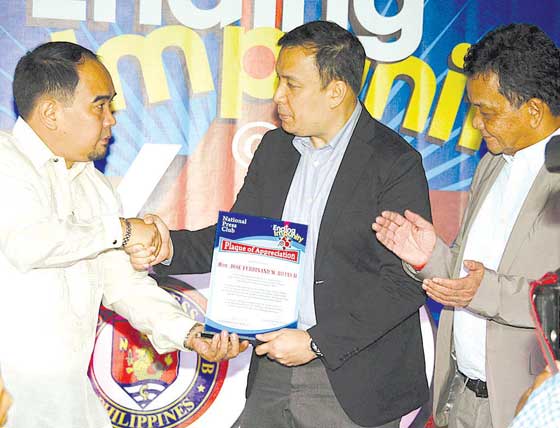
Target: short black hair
[525,60]
[338,53]
[50,68]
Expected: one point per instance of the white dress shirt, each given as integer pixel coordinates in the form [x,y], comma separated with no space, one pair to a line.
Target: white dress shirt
[59,259]
[486,243]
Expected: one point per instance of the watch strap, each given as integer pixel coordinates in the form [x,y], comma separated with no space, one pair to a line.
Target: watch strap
[127,232]
[315,349]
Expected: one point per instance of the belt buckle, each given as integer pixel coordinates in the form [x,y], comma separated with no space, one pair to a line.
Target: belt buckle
[478,387]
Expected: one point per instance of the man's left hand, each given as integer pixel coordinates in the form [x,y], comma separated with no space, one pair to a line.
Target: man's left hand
[456,292]
[289,347]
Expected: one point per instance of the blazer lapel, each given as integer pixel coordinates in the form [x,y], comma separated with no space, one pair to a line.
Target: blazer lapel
[530,212]
[355,159]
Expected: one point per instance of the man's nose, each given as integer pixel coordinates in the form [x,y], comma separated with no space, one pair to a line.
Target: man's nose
[110,119]
[477,121]
[279,94]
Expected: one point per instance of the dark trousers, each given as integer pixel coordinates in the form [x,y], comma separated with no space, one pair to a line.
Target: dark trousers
[295,397]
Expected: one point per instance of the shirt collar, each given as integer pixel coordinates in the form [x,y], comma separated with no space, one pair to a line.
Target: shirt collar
[31,144]
[533,155]
[298,142]
[37,151]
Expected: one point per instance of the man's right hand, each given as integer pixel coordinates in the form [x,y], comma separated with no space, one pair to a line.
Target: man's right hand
[142,233]
[5,402]
[141,257]
[412,238]
[221,347]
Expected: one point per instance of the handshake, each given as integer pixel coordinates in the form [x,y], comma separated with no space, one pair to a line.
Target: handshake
[146,241]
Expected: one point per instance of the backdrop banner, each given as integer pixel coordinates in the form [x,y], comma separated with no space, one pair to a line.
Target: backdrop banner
[195,80]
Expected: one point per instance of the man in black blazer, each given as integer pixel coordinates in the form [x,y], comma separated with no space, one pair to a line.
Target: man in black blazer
[356,358]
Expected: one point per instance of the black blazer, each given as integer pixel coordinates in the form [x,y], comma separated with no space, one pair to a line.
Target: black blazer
[366,306]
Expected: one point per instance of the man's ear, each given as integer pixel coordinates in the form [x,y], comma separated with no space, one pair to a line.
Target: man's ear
[47,112]
[536,110]
[337,92]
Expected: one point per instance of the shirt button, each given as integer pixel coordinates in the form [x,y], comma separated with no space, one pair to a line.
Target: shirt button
[55,160]
[115,242]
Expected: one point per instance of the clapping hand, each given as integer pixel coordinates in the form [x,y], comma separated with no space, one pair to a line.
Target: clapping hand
[456,292]
[410,237]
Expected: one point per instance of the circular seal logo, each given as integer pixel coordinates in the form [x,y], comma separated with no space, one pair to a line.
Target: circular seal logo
[246,140]
[143,389]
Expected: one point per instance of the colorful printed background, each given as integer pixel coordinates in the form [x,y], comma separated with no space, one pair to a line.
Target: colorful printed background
[195,80]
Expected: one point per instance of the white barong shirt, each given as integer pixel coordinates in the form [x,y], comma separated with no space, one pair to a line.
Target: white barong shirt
[60,257]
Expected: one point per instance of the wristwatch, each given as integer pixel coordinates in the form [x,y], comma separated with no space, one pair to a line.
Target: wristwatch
[315,349]
[127,231]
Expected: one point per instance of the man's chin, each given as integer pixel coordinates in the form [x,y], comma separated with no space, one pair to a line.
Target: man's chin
[98,154]
[291,129]
[494,148]
[285,126]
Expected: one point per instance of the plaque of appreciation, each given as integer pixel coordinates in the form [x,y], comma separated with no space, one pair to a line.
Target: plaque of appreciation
[256,275]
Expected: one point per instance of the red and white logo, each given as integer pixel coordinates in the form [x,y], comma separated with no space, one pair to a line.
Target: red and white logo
[140,388]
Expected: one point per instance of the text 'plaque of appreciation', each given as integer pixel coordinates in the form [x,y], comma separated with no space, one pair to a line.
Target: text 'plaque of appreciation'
[256,275]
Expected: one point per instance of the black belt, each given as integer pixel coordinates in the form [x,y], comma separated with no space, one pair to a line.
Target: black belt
[477,386]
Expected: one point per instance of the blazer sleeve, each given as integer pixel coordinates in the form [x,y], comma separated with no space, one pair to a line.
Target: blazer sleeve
[501,298]
[377,295]
[504,299]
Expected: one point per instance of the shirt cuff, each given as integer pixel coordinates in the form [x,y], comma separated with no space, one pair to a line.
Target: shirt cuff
[113,231]
[171,334]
